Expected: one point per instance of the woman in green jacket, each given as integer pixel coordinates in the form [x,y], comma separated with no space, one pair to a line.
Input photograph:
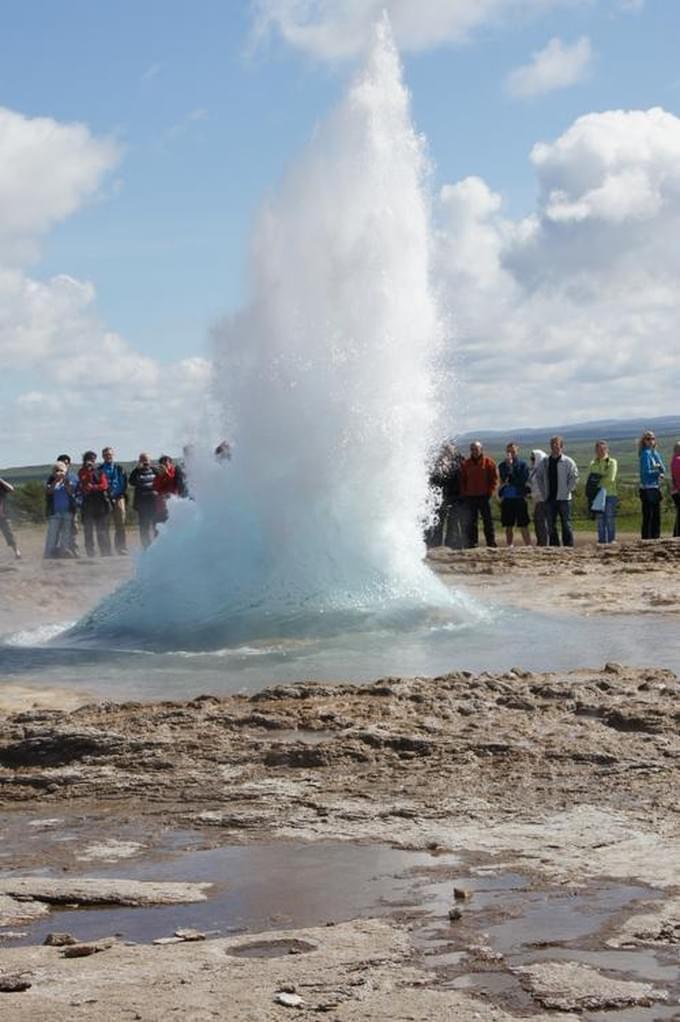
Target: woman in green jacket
[606,468]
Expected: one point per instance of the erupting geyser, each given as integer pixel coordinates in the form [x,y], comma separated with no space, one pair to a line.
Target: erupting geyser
[326,381]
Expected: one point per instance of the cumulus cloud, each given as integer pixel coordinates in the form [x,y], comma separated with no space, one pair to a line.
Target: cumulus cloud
[336,29]
[66,379]
[574,311]
[556,66]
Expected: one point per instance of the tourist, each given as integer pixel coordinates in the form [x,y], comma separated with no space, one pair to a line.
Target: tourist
[166,484]
[675,486]
[558,476]
[94,505]
[5,524]
[144,502]
[117,479]
[60,491]
[448,527]
[514,484]
[73,480]
[652,472]
[602,471]
[479,479]
[223,452]
[538,497]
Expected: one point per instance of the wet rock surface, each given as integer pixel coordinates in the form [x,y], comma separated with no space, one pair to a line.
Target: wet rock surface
[635,576]
[566,782]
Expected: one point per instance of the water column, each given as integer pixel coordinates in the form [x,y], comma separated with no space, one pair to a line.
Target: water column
[325,385]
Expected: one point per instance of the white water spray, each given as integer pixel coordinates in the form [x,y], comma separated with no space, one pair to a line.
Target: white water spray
[326,381]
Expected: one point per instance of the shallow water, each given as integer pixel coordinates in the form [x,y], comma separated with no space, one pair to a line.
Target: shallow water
[256,888]
[500,639]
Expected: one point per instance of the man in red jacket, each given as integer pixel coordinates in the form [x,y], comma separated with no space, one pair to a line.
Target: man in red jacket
[479,479]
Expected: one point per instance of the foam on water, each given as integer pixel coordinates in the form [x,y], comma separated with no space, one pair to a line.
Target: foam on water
[325,380]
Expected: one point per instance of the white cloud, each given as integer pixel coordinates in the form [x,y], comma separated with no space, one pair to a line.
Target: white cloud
[47,170]
[336,29]
[573,312]
[556,66]
[66,380]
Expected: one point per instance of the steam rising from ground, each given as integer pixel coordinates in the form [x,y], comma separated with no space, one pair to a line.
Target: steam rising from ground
[325,381]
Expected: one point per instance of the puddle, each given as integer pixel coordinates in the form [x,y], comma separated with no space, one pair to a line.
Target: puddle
[641,964]
[271,948]
[506,916]
[256,887]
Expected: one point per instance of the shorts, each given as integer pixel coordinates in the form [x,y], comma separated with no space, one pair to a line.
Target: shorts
[514,511]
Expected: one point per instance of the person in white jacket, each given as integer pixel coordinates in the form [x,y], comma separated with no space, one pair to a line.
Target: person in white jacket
[557,477]
[538,500]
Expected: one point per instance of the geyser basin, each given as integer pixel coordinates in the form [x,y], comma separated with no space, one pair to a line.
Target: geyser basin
[325,381]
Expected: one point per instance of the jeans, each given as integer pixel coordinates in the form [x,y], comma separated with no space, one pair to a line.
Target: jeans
[473,507]
[561,509]
[146,514]
[676,527]
[650,500]
[100,525]
[6,530]
[59,539]
[448,529]
[540,524]
[606,521]
[118,518]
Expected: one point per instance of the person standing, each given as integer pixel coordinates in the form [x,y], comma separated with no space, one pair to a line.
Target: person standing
[538,497]
[606,467]
[166,484]
[652,472]
[479,479]
[5,523]
[448,528]
[675,486]
[60,493]
[94,507]
[144,502]
[117,479]
[558,477]
[514,484]
[73,480]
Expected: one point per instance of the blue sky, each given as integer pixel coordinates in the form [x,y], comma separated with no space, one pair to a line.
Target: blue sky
[205,124]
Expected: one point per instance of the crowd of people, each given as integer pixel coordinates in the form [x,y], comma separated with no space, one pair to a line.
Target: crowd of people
[94,498]
[540,492]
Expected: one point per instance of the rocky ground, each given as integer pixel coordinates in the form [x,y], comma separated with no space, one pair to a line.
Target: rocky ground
[635,577]
[545,805]
[568,781]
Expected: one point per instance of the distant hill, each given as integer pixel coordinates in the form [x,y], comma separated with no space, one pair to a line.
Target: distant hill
[605,429]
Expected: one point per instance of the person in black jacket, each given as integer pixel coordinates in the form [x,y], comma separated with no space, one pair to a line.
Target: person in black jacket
[145,500]
[448,528]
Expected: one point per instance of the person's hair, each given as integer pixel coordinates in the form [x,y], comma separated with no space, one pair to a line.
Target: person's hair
[676,447]
[165,459]
[143,455]
[89,456]
[602,443]
[647,435]
[64,458]
[557,439]
[511,443]
[105,449]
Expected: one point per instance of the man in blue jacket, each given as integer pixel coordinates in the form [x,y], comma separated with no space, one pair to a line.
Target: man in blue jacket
[514,477]
[118,483]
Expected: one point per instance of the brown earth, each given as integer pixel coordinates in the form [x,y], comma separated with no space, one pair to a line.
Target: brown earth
[567,781]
